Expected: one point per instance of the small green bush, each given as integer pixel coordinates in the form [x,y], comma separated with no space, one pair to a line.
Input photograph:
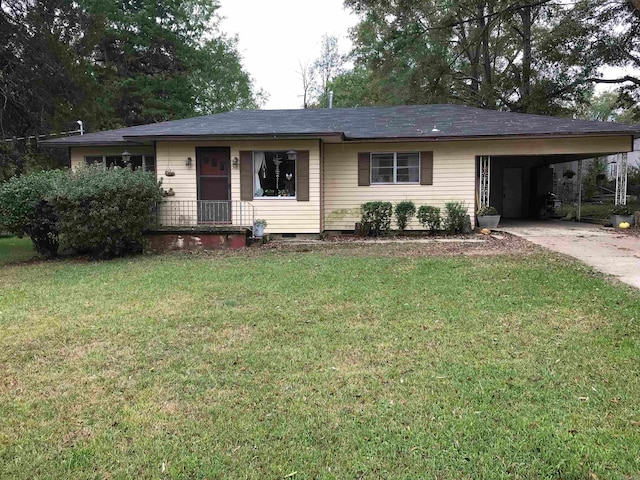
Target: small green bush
[404,212]
[488,210]
[429,217]
[105,212]
[25,209]
[455,217]
[621,210]
[376,217]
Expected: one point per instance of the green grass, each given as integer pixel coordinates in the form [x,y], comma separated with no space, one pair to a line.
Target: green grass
[13,250]
[318,365]
[601,211]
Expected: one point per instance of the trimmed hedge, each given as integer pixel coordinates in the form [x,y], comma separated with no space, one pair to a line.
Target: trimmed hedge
[404,212]
[95,211]
[104,212]
[455,217]
[25,209]
[429,217]
[376,217]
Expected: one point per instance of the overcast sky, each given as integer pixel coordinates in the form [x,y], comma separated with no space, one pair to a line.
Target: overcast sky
[275,35]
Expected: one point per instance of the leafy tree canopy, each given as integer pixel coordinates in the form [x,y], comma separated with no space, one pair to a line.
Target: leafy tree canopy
[111,64]
[534,56]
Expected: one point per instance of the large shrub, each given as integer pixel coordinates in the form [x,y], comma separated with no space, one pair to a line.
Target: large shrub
[376,217]
[404,212]
[104,212]
[25,209]
[455,217]
[429,217]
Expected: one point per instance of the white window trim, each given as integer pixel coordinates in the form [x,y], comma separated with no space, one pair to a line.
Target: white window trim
[395,168]
[265,198]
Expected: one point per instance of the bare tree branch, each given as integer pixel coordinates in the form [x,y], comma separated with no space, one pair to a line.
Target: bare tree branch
[626,78]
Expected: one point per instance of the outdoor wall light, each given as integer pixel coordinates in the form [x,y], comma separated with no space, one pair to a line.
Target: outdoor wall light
[235,162]
[291,155]
[188,161]
[126,156]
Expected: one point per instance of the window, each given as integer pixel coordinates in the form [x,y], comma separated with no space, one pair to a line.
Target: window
[146,162]
[94,159]
[274,175]
[395,168]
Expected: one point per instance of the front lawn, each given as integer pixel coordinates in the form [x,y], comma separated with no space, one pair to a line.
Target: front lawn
[318,365]
[13,250]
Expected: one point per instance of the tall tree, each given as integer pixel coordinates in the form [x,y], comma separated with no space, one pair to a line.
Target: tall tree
[488,53]
[161,60]
[612,29]
[307,78]
[111,64]
[325,68]
[40,79]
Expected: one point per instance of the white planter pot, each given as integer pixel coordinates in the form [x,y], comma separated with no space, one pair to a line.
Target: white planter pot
[488,221]
[258,231]
[618,219]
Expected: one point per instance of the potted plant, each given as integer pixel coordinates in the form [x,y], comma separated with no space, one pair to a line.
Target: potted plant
[488,217]
[258,228]
[621,214]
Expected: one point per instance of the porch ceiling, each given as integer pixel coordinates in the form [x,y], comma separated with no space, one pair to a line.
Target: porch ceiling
[553,159]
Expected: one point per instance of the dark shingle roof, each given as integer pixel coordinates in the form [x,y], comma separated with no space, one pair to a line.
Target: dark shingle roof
[397,122]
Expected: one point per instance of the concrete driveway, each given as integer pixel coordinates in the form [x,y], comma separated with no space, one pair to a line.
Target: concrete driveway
[603,248]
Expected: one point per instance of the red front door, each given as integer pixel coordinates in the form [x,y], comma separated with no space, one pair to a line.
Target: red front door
[213,173]
[213,164]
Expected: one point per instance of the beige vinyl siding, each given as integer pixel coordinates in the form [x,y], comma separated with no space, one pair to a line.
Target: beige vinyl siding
[454,175]
[283,215]
[79,153]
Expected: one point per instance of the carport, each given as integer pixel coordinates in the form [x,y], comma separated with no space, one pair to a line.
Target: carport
[518,186]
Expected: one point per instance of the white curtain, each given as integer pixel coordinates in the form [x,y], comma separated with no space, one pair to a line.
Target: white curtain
[259,163]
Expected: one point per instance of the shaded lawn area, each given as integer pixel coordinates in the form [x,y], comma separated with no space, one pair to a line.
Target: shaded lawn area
[600,211]
[316,365]
[13,250]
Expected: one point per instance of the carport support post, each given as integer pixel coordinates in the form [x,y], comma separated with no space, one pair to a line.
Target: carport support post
[485,180]
[579,212]
[621,180]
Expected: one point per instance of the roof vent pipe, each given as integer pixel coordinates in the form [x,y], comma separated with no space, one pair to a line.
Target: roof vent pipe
[331,99]
[81,125]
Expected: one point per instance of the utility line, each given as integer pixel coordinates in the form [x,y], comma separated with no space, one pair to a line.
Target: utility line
[38,137]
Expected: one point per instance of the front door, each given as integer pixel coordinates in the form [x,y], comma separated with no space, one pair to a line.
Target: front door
[212,164]
[512,193]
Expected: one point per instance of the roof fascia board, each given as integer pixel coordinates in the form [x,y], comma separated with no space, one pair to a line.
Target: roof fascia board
[490,137]
[97,143]
[186,138]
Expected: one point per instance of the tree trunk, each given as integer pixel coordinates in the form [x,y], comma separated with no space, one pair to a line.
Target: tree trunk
[525,15]
[487,89]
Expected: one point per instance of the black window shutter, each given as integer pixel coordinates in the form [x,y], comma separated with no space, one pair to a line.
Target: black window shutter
[364,169]
[302,167]
[246,176]
[426,168]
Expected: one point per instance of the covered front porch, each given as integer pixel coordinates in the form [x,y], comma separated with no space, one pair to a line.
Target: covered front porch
[201,214]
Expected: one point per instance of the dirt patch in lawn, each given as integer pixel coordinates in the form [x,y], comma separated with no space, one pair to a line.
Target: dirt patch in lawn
[468,245]
[410,246]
